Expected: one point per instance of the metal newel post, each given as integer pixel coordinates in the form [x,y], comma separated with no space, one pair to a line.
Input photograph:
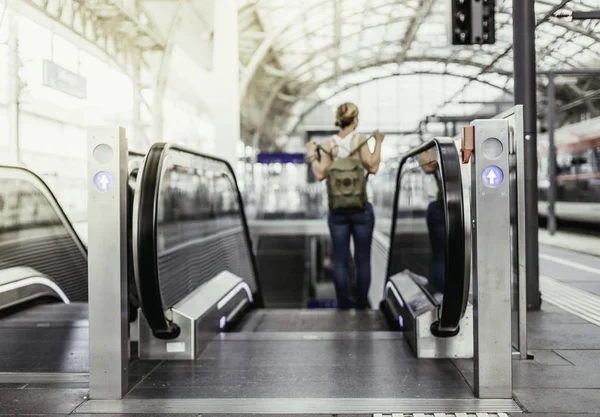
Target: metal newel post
[525,94]
[107,262]
[552,188]
[491,259]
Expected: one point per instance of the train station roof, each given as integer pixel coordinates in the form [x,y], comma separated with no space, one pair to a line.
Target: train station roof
[296,54]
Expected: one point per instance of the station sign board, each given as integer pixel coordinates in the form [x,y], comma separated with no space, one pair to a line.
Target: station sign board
[63,80]
[280,157]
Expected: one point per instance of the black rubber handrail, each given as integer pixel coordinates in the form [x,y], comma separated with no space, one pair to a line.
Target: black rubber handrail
[457,275]
[145,238]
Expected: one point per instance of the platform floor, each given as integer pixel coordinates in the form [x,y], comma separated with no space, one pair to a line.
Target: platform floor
[575,268]
[571,241]
[319,359]
[563,379]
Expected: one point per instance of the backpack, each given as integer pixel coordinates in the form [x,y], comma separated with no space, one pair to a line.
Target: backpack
[346,183]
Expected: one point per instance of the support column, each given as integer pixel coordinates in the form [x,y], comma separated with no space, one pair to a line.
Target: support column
[138,136]
[14,87]
[552,187]
[158,96]
[226,96]
[525,94]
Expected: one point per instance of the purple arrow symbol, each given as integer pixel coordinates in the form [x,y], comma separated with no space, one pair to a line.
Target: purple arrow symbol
[492,176]
[103,181]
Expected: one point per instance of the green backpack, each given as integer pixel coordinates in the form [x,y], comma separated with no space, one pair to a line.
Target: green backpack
[347,183]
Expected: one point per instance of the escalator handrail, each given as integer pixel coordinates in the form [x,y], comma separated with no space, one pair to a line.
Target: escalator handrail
[457,274]
[31,177]
[145,237]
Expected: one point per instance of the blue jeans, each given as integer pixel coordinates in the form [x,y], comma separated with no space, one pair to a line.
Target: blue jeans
[436,224]
[360,226]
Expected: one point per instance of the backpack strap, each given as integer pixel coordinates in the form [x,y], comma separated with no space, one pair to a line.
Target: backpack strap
[326,151]
[363,143]
[352,152]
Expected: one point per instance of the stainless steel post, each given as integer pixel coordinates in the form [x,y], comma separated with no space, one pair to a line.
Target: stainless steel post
[514,117]
[525,94]
[107,262]
[519,138]
[552,186]
[491,252]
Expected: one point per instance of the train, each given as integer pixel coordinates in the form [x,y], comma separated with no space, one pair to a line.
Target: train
[577,172]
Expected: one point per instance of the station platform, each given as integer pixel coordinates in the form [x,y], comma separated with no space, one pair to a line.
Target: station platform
[205,276]
[330,357]
[576,242]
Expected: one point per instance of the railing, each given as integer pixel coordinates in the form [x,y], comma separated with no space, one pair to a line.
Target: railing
[189,225]
[36,233]
[428,232]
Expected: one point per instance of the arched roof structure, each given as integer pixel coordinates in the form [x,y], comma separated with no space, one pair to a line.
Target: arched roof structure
[295,54]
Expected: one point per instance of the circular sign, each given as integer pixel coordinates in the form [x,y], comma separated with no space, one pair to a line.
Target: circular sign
[492,176]
[103,181]
[103,153]
[492,148]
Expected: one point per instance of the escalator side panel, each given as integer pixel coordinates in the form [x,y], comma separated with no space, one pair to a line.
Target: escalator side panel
[190,225]
[35,232]
[428,230]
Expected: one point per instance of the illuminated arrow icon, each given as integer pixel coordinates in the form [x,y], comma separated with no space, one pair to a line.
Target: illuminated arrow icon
[104,182]
[492,176]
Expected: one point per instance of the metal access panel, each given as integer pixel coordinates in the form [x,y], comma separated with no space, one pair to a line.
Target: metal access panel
[416,313]
[200,315]
[107,262]
[491,252]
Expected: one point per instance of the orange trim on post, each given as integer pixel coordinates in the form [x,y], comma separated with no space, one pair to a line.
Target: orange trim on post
[467,143]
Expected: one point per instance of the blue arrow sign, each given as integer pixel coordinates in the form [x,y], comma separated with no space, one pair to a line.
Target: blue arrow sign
[103,181]
[492,176]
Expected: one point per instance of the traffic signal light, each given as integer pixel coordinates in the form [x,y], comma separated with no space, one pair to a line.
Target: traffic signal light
[473,22]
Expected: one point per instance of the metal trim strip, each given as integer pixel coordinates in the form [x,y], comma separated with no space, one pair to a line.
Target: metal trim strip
[278,406]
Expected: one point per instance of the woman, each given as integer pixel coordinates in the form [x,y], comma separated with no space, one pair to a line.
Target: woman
[359,224]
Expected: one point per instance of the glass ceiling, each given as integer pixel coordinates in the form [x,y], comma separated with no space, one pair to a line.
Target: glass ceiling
[317,48]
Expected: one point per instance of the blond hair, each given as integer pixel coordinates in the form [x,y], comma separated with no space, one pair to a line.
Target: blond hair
[345,115]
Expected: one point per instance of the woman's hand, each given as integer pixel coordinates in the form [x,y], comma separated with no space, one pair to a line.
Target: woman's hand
[378,135]
[311,148]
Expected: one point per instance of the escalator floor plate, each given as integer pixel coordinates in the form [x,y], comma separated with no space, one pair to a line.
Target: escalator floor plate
[60,349]
[296,365]
[48,315]
[45,338]
[324,320]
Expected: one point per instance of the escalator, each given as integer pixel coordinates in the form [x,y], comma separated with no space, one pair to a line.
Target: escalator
[191,204]
[195,273]
[429,254]
[43,280]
